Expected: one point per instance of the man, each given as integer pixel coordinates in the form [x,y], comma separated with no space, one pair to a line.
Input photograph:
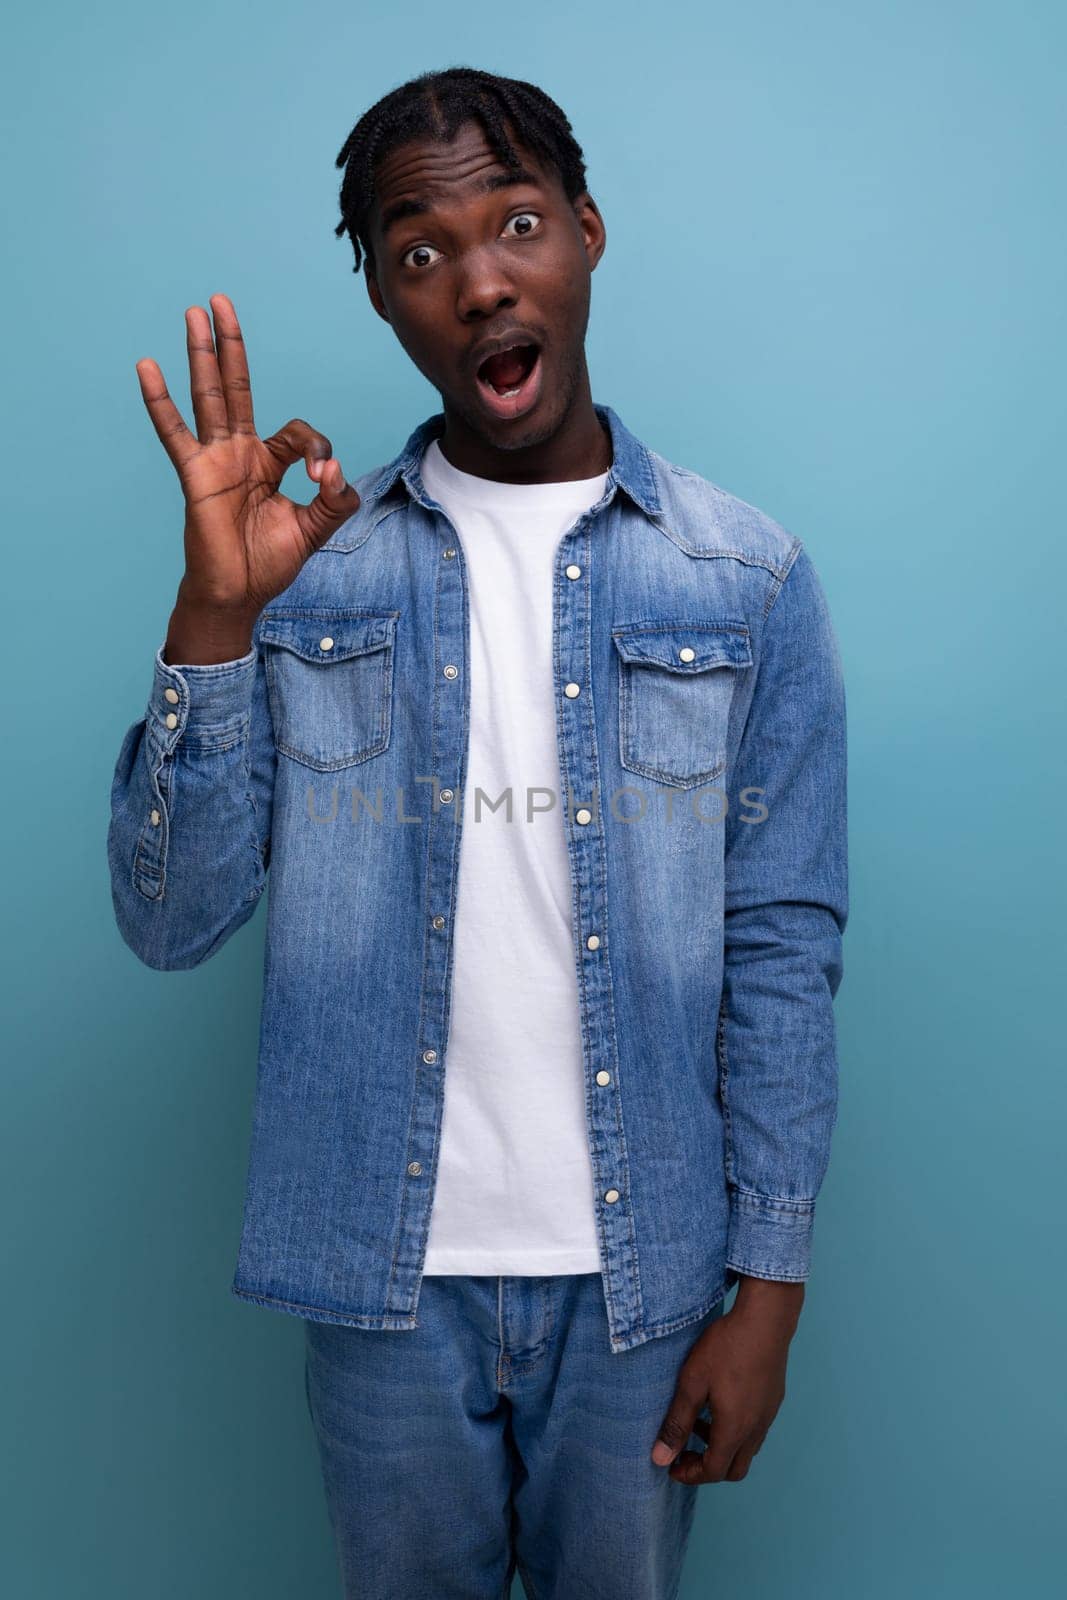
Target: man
[542,739]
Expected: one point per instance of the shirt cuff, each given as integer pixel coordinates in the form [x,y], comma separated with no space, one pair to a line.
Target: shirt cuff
[770,1237]
[206,706]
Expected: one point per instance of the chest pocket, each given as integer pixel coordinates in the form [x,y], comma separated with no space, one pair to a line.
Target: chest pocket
[676,685]
[329,681]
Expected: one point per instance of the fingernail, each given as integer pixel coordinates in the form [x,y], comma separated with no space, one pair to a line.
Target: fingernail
[662,1453]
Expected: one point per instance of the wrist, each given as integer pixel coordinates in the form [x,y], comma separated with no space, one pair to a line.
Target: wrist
[199,635]
[771,1300]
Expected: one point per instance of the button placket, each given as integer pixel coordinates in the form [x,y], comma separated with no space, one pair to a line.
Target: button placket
[150,857]
[447,714]
[586,846]
[157,822]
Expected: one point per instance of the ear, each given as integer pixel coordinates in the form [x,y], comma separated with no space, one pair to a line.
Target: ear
[373,291]
[591,223]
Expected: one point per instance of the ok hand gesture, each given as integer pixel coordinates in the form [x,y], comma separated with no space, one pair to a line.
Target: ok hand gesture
[244,541]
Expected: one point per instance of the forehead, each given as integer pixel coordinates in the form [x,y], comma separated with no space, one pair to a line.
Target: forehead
[427,172]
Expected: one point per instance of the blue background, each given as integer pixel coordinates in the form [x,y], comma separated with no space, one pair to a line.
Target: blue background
[834,285]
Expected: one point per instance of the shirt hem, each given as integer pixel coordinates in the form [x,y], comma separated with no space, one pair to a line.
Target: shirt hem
[537,1265]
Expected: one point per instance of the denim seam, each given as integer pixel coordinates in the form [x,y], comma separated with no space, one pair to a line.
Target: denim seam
[404,1209]
[773,1273]
[520,1369]
[652,1329]
[724,1072]
[748,558]
[794,1204]
[144,872]
[774,589]
[609,982]
[298,1307]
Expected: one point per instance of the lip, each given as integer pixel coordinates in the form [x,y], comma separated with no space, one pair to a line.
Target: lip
[529,392]
[516,334]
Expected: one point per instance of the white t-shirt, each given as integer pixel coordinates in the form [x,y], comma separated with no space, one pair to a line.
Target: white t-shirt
[514,1187]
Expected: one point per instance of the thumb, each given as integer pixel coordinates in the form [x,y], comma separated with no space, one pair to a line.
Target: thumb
[335,502]
[678,1423]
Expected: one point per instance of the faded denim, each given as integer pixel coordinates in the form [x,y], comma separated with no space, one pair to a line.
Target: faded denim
[504,1435]
[707,931]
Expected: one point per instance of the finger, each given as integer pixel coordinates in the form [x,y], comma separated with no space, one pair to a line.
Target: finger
[233,365]
[739,1466]
[299,439]
[335,502]
[677,1425]
[205,383]
[689,1467]
[712,1464]
[179,443]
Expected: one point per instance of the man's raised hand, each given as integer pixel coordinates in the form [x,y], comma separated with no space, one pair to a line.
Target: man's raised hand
[244,541]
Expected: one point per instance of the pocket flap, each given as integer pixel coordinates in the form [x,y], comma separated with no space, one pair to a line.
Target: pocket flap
[661,644]
[326,636]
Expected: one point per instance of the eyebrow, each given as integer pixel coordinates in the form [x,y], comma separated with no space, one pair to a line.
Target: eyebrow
[400,209]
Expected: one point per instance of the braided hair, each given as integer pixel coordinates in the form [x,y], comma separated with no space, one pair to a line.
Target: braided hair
[433,105]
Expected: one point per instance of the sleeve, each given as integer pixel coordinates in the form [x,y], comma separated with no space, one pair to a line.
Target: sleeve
[188,841]
[785,910]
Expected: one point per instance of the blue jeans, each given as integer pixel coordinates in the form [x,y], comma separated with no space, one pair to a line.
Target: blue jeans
[500,1434]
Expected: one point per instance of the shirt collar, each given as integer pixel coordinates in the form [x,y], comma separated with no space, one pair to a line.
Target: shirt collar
[631,468]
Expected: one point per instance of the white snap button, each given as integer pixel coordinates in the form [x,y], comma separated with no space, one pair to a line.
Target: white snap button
[448,554]
[451,671]
[438,922]
[326,644]
[603,1078]
[171,720]
[572,690]
[583,816]
[446,796]
[573,571]
[414,1168]
[155,817]
[429,1056]
[611,1196]
[172,695]
[687,653]
[593,942]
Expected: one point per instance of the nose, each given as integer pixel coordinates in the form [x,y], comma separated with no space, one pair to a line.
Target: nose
[484,287]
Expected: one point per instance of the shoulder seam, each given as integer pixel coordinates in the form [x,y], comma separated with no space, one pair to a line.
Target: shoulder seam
[761,551]
[774,588]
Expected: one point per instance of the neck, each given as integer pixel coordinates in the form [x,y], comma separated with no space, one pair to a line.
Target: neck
[578,446]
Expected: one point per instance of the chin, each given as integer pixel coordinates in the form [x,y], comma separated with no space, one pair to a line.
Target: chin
[524,432]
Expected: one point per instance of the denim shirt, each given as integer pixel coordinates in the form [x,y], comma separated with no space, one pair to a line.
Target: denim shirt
[700,719]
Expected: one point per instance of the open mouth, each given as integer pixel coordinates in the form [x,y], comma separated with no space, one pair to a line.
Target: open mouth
[510,381]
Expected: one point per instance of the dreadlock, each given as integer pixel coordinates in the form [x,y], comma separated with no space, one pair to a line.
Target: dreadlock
[433,105]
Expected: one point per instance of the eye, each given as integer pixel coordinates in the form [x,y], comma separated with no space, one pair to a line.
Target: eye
[524,217]
[418,250]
